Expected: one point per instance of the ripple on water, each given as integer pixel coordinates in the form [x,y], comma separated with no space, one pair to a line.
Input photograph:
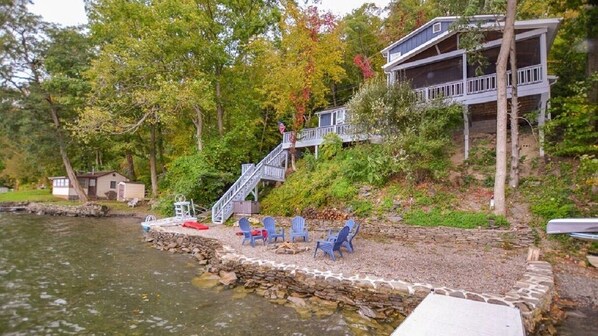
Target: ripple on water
[96,276]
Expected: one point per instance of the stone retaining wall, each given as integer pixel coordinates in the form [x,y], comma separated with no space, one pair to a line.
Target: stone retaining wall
[510,238]
[382,297]
[86,210]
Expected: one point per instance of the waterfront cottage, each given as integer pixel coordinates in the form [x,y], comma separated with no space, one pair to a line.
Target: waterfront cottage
[95,185]
[434,60]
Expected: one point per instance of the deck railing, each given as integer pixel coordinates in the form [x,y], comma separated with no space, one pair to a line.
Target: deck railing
[480,84]
[316,135]
[249,178]
[451,89]
[525,76]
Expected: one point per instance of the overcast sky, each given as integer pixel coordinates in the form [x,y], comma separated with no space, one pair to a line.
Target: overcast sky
[71,12]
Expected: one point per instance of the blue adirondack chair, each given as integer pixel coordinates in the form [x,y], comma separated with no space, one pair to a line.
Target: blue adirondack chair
[332,233]
[328,247]
[298,228]
[247,233]
[348,244]
[273,231]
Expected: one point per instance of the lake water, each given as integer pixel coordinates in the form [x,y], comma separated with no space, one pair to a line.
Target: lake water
[61,275]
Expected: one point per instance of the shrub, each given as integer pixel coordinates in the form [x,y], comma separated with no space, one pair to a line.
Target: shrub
[574,130]
[416,135]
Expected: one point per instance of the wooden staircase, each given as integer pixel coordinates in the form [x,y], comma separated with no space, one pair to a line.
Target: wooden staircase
[272,168]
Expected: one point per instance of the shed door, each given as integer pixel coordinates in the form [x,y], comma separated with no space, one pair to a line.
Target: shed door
[121,192]
[91,191]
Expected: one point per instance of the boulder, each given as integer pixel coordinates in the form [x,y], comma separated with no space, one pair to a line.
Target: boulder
[227,278]
[299,302]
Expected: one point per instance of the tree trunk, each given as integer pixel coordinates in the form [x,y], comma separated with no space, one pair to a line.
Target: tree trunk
[70,172]
[219,107]
[514,174]
[333,90]
[198,122]
[160,144]
[592,62]
[152,161]
[130,166]
[501,111]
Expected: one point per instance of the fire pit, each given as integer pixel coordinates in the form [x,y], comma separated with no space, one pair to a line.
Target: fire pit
[288,248]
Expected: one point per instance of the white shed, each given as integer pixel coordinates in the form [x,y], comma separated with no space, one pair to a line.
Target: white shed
[130,190]
[3,189]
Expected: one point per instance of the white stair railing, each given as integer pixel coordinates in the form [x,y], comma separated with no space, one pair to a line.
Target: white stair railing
[248,180]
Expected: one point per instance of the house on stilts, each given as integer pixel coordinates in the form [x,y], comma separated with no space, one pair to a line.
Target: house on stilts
[433,59]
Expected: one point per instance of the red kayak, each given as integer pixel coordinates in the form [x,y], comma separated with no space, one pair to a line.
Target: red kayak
[195,225]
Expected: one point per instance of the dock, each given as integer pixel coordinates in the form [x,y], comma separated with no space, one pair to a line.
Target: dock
[439,315]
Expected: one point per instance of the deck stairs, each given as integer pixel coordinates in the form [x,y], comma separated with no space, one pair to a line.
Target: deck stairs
[272,168]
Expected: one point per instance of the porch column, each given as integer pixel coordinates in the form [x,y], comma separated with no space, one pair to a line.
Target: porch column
[464,60]
[466,131]
[541,119]
[544,58]
[390,77]
[316,153]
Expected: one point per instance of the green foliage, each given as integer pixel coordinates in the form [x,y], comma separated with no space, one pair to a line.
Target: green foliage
[551,195]
[332,182]
[343,190]
[332,146]
[195,177]
[369,164]
[458,219]
[574,130]
[482,155]
[361,208]
[417,136]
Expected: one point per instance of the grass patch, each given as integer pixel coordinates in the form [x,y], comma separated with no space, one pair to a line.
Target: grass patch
[457,219]
[43,195]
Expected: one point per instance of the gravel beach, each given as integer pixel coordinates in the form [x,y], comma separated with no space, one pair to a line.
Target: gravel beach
[488,270]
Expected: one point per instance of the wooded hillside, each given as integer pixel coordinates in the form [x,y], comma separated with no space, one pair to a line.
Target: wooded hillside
[179,93]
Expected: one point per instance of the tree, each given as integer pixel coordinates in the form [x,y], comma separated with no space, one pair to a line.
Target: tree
[308,55]
[361,31]
[41,66]
[514,120]
[501,109]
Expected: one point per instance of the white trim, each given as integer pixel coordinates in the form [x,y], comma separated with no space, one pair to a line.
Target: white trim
[432,59]
[544,57]
[437,19]
[436,27]
[464,69]
[487,45]
[540,24]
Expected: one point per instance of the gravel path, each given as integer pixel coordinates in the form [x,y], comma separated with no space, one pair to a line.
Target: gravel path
[458,267]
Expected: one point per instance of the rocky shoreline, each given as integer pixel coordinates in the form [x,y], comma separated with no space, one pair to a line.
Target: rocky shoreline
[371,297]
[88,209]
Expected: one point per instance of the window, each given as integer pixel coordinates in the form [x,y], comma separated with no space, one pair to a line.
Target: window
[60,183]
[83,182]
[112,184]
[394,56]
[436,28]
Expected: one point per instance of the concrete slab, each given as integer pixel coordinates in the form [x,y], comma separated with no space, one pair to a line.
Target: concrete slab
[439,315]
